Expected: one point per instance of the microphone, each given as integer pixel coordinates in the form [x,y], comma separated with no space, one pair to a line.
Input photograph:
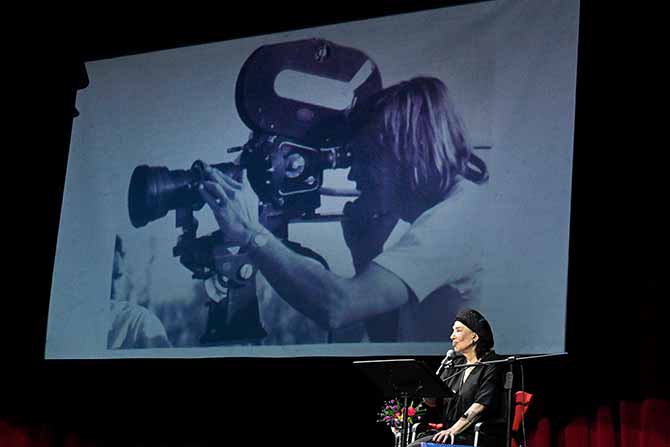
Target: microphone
[451,354]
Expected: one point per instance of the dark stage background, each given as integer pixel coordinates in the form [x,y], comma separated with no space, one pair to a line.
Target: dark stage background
[615,328]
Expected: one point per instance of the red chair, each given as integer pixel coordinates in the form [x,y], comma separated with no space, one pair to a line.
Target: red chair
[499,428]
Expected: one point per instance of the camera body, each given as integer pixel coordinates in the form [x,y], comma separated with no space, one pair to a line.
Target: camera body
[292,142]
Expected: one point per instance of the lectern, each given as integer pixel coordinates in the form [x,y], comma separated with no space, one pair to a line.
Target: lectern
[404,379]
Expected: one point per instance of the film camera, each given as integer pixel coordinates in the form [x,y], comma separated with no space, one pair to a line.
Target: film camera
[292,142]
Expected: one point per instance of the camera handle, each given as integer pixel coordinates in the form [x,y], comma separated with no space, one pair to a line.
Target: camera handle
[228,280]
[233,313]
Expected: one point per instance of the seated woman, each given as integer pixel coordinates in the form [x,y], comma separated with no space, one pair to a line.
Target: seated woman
[477,389]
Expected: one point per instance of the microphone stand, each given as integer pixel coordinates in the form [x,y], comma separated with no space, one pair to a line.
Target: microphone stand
[404,395]
[509,380]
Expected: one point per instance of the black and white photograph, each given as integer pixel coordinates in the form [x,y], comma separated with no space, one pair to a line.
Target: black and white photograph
[349,185]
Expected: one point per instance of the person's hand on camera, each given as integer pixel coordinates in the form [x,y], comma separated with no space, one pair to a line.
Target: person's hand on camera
[366,228]
[224,195]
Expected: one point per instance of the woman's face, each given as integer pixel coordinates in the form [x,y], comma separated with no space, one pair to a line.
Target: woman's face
[462,337]
[374,175]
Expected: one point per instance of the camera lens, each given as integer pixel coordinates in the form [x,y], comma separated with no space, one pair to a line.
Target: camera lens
[154,191]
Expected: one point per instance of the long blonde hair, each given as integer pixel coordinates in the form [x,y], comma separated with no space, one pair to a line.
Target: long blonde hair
[416,123]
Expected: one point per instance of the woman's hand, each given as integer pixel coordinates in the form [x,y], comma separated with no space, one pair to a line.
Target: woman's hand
[224,195]
[445,436]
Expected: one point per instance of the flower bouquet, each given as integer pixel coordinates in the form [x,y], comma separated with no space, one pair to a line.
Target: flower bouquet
[392,412]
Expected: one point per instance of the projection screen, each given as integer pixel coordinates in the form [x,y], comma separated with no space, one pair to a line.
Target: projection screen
[125,289]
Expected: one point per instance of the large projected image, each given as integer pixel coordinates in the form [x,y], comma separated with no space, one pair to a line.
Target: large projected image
[341,190]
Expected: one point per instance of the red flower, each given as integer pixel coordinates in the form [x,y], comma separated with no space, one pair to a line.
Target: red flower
[392,415]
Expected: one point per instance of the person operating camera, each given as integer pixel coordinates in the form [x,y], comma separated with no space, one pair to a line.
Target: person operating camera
[412,161]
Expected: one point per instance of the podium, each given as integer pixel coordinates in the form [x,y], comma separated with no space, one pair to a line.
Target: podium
[404,379]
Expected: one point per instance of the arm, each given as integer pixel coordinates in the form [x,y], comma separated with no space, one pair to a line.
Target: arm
[470,416]
[330,300]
